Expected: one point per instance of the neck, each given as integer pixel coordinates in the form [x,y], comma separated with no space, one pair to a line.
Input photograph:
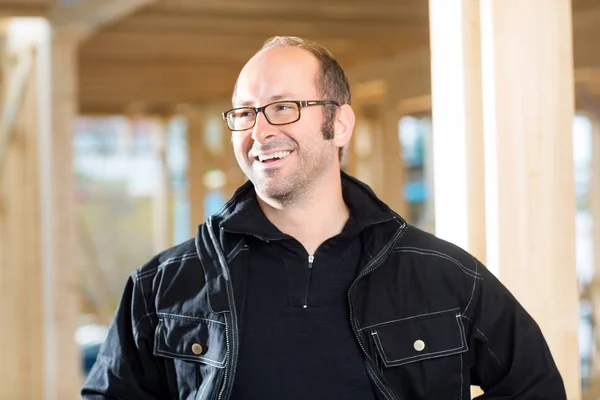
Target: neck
[318,216]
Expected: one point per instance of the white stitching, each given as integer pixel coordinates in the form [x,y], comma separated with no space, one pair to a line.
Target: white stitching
[135,328]
[407,318]
[476,328]
[427,252]
[494,356]
[235,250]
[463,336]
[169,261]
[473,290]
[406,360]
[461,376]
[438,253]
[190,318]
[209,361]
[141,286]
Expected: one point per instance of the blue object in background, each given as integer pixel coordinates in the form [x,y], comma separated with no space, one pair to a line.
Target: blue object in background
[89,354]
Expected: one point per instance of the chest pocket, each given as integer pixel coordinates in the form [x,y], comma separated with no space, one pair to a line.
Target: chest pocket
[194,351]
[422,355]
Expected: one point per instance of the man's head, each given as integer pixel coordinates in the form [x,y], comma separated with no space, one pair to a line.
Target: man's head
[309,146]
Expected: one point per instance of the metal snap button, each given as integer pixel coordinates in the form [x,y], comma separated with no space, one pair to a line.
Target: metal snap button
[197,349]
[419,345]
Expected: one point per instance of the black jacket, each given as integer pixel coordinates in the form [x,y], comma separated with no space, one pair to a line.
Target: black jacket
[429,318]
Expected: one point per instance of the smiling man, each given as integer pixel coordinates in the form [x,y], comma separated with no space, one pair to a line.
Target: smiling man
[306,286]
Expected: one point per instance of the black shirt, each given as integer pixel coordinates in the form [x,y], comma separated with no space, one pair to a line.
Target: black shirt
[296,338]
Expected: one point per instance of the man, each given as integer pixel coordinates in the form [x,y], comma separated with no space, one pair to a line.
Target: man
[306,286]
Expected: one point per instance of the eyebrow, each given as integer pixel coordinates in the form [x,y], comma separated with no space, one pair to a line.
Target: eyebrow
[277,97]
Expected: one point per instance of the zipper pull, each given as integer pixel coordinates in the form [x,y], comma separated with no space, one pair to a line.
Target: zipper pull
[310,265]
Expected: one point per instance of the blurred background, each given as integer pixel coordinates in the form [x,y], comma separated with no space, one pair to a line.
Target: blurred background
[477,120]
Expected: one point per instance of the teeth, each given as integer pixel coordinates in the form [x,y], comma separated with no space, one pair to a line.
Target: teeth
[279,154]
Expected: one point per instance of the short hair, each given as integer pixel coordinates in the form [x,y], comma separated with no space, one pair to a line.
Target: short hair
[331,82]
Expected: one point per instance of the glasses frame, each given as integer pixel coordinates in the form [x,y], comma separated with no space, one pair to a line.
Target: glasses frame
[300,103]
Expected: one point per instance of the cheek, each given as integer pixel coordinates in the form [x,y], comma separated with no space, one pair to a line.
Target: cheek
[240,144]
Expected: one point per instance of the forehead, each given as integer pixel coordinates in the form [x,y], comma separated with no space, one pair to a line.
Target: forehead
[275,73]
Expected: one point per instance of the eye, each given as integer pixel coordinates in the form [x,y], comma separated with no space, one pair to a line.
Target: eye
[282,107]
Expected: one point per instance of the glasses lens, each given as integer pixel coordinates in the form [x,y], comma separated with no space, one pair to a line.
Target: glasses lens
[282,112]
[241,119]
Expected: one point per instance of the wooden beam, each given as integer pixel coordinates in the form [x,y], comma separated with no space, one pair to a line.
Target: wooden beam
[20,276]
[225,48]
[408,74]
[528,117]
[586,31]
[199,22]
[18,84]
[18,9]
[197,165]
[85,17]
[458,124]
[400,11]
[60,295]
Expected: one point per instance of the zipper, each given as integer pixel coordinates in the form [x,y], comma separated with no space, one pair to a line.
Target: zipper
[231,339]
[311,259]
[372,266]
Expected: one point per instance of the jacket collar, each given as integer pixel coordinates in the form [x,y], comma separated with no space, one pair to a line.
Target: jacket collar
[243,215]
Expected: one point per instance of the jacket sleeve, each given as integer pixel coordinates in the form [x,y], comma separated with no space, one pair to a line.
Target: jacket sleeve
[125,367]
[511,359]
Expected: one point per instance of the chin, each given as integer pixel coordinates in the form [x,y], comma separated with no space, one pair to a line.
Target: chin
[279,191]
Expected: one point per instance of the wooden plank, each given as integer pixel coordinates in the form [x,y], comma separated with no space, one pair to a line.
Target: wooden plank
[226,24]
[162,204]
[57,91]
[408,73]
[528,95]
[84,17]
[236,47]
[196,167]
[458,124]
[16,9]
[16,89]
[20,292]
[382,10]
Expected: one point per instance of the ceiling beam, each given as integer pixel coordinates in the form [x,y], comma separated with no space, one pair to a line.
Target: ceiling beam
[17,85]
[225,24]
[18,9]
[416,11]
[85,17]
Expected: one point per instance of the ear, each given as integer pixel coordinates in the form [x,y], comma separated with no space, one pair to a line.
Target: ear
[343,126]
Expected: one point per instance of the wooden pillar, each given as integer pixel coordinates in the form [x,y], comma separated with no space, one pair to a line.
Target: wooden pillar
[394,174]
[196,167]
[527,85]
[20,283]
[457,124]
[38,277]
[162,204]
[57,83]
[594,287]
[529,101]
[374,154]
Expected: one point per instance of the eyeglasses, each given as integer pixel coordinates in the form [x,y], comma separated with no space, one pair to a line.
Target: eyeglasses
[277,113]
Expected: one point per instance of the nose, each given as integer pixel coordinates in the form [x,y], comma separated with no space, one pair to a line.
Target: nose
[262,130]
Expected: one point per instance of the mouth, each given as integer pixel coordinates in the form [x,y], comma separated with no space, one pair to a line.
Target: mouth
[273,158]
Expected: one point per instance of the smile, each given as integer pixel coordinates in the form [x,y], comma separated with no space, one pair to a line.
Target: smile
[278,155]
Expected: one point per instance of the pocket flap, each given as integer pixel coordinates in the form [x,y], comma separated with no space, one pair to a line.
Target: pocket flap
[421,337]
[191,339]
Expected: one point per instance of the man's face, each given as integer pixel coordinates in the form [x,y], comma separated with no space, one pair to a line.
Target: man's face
[303,155]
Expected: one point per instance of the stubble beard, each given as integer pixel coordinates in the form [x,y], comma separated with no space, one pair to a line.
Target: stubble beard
[302,182]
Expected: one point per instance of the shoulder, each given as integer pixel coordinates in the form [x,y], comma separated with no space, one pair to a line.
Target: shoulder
[170,259]
[428,251]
